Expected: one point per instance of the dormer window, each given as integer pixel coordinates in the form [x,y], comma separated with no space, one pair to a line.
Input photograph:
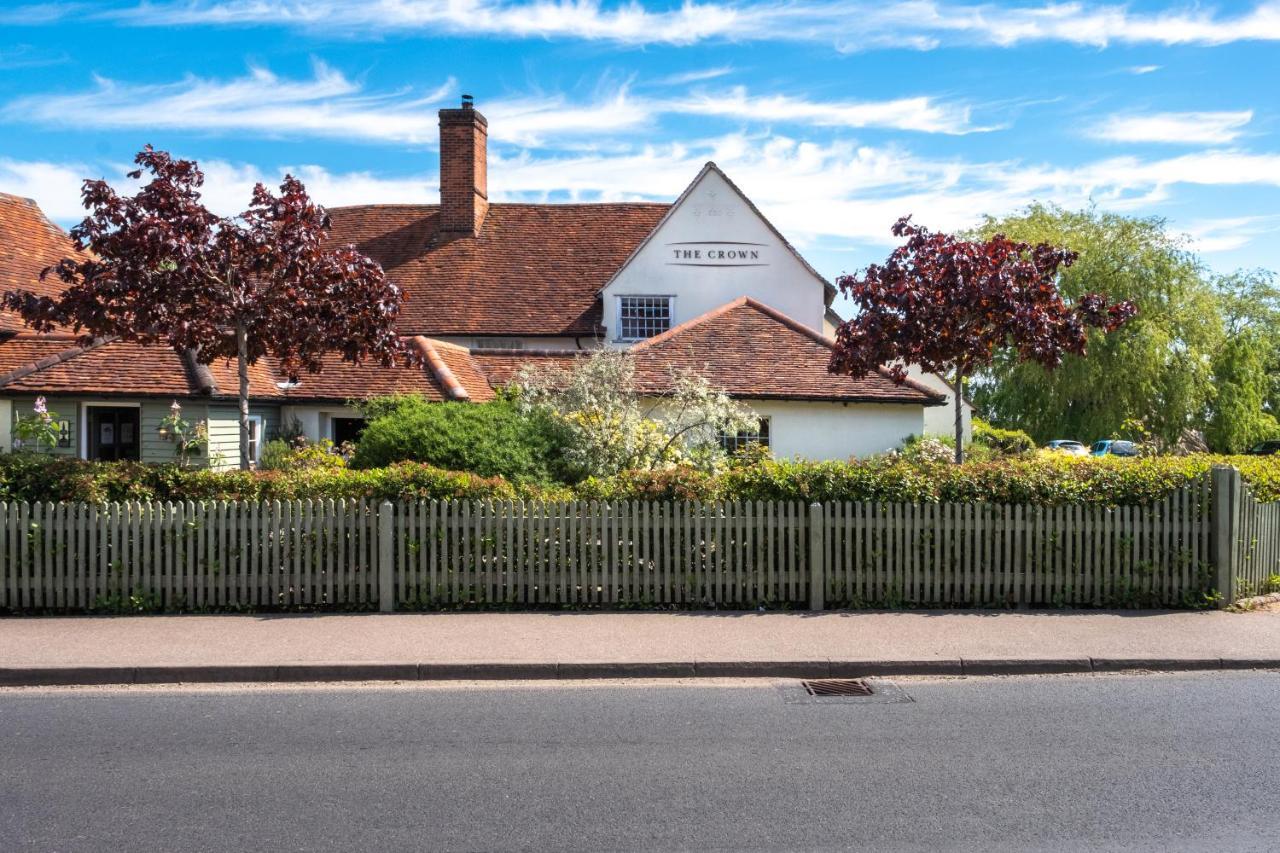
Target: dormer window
[641,317]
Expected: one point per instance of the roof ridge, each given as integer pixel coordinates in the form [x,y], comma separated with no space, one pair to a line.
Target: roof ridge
[444,375]
[648,343]
[51,360]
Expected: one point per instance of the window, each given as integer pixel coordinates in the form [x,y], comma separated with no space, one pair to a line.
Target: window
[498,343]
[255,437]
[734,442]
[641,317]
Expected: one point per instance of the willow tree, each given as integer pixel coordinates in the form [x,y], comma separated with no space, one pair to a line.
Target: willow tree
[163,270]
[951,306]
[1156,372]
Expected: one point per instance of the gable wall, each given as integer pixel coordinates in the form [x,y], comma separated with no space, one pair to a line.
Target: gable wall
[711,219]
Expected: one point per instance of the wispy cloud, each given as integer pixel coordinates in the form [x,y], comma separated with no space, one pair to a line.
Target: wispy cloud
[1187,128]
[813,192]
[1143,69]
[1230,233]
[920,114]
[687,77]
[330,104]
[852,25]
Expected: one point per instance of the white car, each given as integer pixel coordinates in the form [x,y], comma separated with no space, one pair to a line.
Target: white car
[1074,448]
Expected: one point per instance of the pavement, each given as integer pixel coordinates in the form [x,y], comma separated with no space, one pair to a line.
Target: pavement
[1156,762]
[408,647]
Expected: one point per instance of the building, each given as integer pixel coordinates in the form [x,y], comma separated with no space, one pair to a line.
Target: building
[705,282]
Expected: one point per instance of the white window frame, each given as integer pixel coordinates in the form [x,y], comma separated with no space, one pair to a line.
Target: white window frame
[256,423]
[86,405]
[765,430]
[671,314]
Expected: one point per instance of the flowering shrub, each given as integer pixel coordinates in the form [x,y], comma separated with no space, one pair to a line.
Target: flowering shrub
[38,428]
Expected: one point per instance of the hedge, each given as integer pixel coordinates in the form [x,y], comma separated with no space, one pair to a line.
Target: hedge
[1042,479]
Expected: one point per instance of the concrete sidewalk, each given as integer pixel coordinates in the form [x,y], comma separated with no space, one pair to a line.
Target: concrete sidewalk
[79,650]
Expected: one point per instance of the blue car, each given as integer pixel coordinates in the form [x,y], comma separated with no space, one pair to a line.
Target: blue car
[1114,447]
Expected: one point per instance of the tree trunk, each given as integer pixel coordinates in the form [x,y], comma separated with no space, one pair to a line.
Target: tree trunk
[959,416]
[242,364]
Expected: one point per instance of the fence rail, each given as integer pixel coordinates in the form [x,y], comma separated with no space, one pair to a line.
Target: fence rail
[430,554]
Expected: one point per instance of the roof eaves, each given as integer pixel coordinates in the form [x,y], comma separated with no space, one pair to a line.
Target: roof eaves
[51,360]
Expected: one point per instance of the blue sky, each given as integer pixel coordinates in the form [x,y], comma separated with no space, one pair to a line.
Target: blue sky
[836,117]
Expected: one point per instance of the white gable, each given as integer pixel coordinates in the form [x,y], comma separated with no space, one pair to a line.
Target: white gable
[711,248]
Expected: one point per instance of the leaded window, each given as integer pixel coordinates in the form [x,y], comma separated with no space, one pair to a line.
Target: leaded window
[641,317]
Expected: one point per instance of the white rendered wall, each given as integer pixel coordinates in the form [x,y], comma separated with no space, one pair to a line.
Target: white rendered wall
[714,219]
[584,342]
[941,420]
[316,421]
[827,431]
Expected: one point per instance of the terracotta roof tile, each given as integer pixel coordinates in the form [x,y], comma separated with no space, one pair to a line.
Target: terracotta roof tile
[743,347]
[753,351]
[341,380]
[29,242]
[56,364]
[535,269]
[502,366]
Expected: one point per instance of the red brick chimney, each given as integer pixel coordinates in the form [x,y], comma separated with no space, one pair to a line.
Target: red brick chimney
[464,186]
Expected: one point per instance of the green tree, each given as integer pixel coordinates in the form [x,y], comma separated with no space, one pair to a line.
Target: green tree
[1246,387]
[1157,370]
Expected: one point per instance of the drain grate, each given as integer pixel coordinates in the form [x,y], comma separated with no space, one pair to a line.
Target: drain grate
[838,687]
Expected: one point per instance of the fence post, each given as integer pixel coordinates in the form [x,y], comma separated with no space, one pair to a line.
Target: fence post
[386,567]
[817,558]
[1226,518]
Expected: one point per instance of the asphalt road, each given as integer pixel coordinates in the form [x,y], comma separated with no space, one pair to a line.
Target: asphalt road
[1154,762]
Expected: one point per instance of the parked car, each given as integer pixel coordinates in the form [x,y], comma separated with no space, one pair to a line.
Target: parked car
[1114,447]
[1066,445]
[1266,448]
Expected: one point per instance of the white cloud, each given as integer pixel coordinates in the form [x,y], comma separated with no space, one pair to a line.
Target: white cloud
[330,104]
[1144,69]
[1186,128]
[687,77]
[852,25]
[833,192]
[919,113]
[1230,233]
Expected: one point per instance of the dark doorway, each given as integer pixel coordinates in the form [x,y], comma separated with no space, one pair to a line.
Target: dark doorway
[347,429]
[113,433]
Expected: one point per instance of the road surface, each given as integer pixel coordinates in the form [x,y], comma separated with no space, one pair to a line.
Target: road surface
[1145,762]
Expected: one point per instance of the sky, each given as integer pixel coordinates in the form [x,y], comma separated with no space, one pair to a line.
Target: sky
[836,117]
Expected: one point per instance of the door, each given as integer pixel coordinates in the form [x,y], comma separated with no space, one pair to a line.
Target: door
[347,430]
[113,433]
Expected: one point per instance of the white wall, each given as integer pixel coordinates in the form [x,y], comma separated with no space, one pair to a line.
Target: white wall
[714,218]
[525,342]
[316,421]
[941,420]
[6,426]
[824,431]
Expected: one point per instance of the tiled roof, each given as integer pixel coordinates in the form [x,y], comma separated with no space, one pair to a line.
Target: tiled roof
[502,366]
[57,364]
[29,242]
[535,269]
[753,351]
[743,347]
[341,380]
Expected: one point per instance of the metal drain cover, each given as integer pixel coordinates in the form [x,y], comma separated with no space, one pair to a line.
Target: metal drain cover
[837,687]
[839,691]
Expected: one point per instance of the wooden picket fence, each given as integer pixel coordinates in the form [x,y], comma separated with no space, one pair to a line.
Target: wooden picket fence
[1257,561]
[452,554]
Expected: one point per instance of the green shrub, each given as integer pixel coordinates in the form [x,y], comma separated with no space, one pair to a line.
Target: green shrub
[1008,441]
[279,455]
[490,439]
[1033,479]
